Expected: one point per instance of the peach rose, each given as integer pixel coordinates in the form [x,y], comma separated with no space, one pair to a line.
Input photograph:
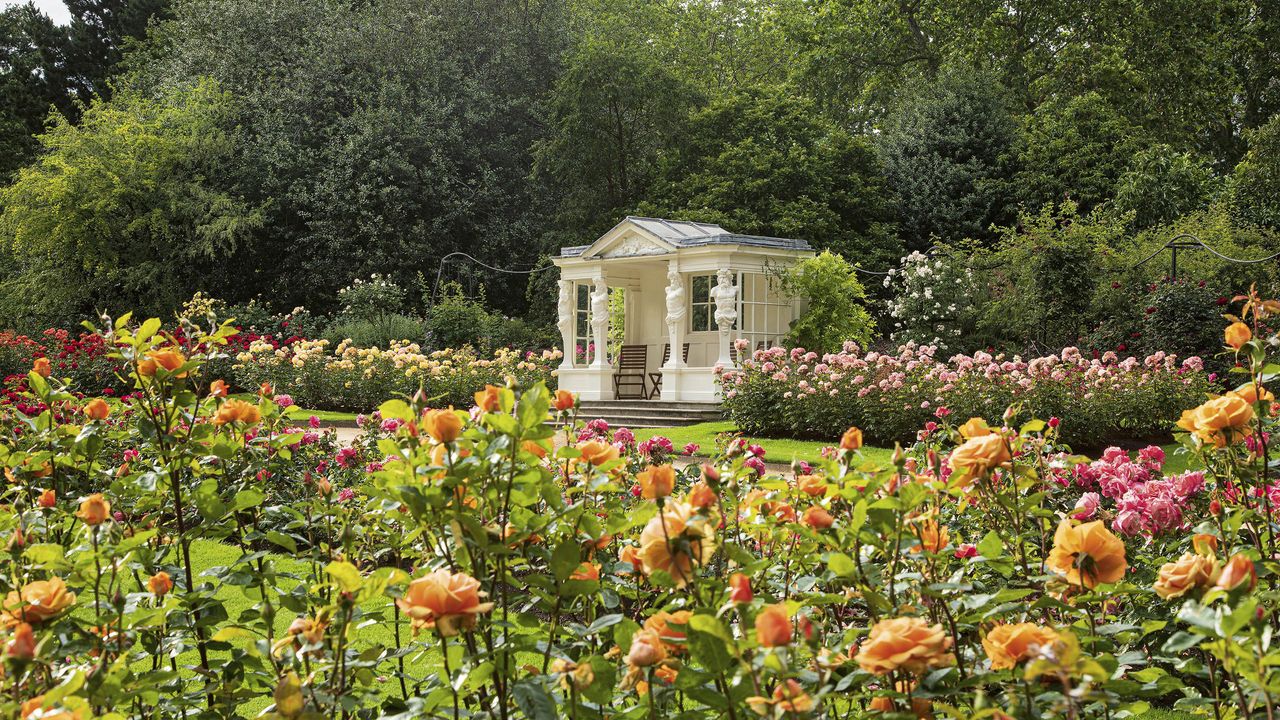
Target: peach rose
[94,510]
[811,485]
[647,649]
[1249,393]
[675,541]
[701,495]
[563,400]
[160,584]
[631,554]
[670,628]
[598,452]
[932,536]
[657,481]
[168,359]
[1008,645]
[979,455]
[1189,572]
[22,645]
[773,626]
[38,601]
[445,601]
[851,440]
[42,367]
[1238,572]
[48,498]
[586,571]
[906,643]
[817,518]
[489,399]
[239,411]
[444,426]
[97,409]
[1237,334]
[974,427]
[1087,554]
[218,389]
[1220,421]
[740,588]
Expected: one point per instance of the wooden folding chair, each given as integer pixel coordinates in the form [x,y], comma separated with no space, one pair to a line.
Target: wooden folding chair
[630,371]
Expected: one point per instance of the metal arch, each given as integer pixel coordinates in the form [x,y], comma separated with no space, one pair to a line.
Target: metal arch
[1187,241]
[458,253]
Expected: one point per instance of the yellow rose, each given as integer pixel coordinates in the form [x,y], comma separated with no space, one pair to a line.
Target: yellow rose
[675,541]
[1237,334]
[974,427]
[1087,554]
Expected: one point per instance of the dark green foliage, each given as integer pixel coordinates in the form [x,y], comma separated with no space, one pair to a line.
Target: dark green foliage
[834,311]
[1256,181]
[947,149]
[1161,185]
[766,163]
[378,331]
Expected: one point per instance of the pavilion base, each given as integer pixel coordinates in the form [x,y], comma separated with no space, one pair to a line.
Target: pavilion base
[587,383]
[690,384]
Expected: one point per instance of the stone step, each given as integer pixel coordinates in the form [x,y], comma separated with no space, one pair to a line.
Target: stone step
[638,420]
[651,405]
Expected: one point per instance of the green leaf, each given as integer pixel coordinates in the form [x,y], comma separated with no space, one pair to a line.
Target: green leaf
[397,409]
[533,700]
[990,546]
[565,559]
[346,574]
[841,564]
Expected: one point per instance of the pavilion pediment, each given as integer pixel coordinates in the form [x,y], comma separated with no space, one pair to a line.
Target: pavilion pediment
[633,246]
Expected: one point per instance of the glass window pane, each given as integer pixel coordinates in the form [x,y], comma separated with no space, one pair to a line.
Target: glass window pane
[700,318]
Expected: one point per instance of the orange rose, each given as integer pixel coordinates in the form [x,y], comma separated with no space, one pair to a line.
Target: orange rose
[1190,572]
[563,400]
[160,584]
[94,510]
[1220,421]
[1087,554]
[670,628]
[740,588]
[974,427]
[1249,393]
[817,518]
[22,646]
[97,409]
[667,674]
[851,440]
[657,481]
[1237,334]
[534,448]
[444,426]
[1238,572]
[38,601]
[489,399]
[598,452]
[675,541]
[922,708]
[35,708]
[42,367]
[586,571]
[811,485]
[701,495]
[773,626]
[444,601]
[978,456]
[647,649]
[48,499]
[1205,544]
[218,389]
[1008,645]
[168,359]
[239,411]
[265,389]
[907,643]
[932,536]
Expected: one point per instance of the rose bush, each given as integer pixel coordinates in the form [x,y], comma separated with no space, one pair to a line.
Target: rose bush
[794,393]
[500,559]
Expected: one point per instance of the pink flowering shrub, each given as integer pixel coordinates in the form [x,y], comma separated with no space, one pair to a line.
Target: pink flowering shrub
[1132,494]
[795,393]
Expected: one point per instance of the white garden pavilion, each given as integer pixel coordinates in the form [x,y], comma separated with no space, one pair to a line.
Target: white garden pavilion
[680,283]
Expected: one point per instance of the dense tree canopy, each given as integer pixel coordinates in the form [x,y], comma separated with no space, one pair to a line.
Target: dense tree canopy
[359,138]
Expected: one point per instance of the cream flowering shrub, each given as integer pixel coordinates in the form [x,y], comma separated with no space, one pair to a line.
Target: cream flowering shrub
[351,378]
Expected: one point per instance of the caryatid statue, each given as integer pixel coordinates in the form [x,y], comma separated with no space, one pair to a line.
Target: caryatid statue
[677,309]
[565,321]
[725,294]
[600,322]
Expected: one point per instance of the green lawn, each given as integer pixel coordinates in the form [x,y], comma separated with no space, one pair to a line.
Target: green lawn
[329,416]
[782,450]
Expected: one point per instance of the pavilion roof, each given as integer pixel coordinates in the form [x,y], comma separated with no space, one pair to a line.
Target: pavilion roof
[683,233]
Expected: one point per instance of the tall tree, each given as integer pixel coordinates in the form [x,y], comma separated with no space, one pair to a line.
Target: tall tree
[947,148]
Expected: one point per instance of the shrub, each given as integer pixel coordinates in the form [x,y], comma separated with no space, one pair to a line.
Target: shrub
[803,394]
[834,311]
[379,331]
[369,300]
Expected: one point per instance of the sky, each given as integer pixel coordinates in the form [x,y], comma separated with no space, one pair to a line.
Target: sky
[55,9]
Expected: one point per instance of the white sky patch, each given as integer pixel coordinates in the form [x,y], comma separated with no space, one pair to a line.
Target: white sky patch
[55,9]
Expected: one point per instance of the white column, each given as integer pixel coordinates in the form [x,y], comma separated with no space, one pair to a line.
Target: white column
[677,311]
[566,321]
[600,322]
[726,296]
